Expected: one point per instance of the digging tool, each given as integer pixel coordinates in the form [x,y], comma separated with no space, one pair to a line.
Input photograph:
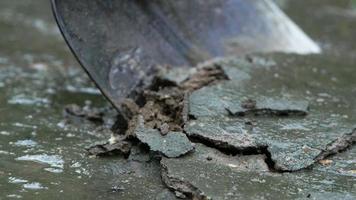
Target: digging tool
[121,42]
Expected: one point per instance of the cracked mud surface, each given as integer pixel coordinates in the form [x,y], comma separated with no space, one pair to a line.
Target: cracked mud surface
[288,113]
[248,177]
[261,127]
[255,132]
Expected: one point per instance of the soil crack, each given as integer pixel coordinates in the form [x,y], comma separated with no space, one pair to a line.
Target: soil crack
[231,150]
[176,184]
[339,145]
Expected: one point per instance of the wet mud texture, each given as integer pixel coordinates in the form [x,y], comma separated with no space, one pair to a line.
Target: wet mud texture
[254,157]
[291,110]
[296,122]
[254,121]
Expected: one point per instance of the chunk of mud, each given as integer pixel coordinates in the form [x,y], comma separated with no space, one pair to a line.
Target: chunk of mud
[162,108]
[247,177]
[208,74]
[109,149]
[277,108]
[163,105]
[172,145]
[194,78]
[86,112]
[164,129]
[221,134]
[230,98]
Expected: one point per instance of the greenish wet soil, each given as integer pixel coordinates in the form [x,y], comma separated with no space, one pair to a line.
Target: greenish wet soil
[248,177]
[294,137]
[42,152]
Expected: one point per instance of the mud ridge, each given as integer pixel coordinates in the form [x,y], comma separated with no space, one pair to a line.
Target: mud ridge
[340,145]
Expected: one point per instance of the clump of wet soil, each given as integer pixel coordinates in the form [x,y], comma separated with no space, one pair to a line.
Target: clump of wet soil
[162,106]
[164,103]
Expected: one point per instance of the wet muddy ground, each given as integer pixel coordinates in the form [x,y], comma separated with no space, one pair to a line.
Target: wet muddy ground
[259,127]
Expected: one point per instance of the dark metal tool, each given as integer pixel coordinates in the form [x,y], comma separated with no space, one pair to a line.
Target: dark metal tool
[120,42]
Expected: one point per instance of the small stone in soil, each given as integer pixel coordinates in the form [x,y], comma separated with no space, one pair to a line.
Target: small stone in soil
[164,129]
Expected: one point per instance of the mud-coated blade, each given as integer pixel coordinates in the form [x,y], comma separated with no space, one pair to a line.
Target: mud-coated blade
[118,42]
